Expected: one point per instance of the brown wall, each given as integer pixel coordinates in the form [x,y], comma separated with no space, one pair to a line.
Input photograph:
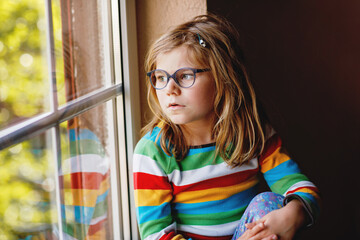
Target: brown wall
[304,58]
[154,18]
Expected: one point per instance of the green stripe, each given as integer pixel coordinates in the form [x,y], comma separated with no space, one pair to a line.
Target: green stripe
[100,209]
[153,226]
[210,219]
[149,148]
[75,230]
[200,160]
[282,185]
[85,146]
[169,164]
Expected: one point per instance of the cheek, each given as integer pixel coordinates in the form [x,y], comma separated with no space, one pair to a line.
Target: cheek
[204,98]
[208,94]
[160,98]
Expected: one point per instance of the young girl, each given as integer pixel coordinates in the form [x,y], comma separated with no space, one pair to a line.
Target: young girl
[196,170]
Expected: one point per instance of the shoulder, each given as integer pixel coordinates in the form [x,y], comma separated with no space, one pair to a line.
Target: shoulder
[150,141]
[148,151]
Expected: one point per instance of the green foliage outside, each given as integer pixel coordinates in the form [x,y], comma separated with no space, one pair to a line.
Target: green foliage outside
[27,189]
[27,169]
[24,73]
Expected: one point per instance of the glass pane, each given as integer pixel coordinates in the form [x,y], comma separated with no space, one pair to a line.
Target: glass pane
[27,183]
[24,85]
[85,176]
[83,35]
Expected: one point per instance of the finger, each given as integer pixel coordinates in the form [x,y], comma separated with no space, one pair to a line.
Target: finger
[250,225]
[253,224]
[258,228]
[271,237]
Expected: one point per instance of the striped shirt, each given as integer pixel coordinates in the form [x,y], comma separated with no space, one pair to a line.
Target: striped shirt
[202,197]
[85,186]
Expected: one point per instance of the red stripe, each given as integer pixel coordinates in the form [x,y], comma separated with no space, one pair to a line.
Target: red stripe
[86,180]
[96,227]
[271,145]
[149,181]
[223,181]
[200,237]
[297,189]
[168,236]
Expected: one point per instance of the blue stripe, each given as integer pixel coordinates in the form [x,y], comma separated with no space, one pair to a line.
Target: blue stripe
[82,214]
[282,170]
[236,201]
[153,135]
[102,197]
[84,134]
[63,212]
[193,151]
[308,197]
[148,213]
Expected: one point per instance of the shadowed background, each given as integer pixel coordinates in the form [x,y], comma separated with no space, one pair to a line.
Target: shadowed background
[304,58]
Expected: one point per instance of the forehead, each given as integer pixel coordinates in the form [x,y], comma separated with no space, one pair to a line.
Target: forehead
[176,58]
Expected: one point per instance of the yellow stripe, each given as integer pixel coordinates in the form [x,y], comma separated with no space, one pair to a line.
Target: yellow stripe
[275,159]
[178,237]
[149,197]
[312,192]
[214,194]
[160,124]
[99,235]
[67,181]
[80,197]
[104,186]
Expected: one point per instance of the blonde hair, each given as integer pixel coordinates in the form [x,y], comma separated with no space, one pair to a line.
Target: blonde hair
[237,131]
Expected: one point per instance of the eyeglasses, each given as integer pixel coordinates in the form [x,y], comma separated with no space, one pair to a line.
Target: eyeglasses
[183,77]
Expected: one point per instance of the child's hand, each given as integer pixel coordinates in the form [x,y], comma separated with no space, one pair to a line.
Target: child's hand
[278,224]
[257,231]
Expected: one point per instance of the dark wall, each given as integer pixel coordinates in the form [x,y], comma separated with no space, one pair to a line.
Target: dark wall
[304,59]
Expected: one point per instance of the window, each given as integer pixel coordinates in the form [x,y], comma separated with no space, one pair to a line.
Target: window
[68,119]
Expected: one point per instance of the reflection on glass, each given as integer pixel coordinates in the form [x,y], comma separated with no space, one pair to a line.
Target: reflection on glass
[27,186]
[85,176]
[83,34]
[24,87]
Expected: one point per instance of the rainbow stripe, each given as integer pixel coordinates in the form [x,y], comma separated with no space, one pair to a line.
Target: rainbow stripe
[85,186]
[201,196]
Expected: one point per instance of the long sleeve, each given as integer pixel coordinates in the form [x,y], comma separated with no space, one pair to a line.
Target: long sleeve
[283,176]
[153,193]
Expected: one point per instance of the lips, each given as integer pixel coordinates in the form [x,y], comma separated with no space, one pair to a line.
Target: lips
[174,106]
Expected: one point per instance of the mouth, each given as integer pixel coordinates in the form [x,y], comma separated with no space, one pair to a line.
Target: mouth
[174,106]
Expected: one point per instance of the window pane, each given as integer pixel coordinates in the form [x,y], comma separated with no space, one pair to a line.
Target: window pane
[84,42]
[24,88]
[85,175]
[27,183]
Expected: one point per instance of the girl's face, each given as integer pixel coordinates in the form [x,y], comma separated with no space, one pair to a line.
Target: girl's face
[192,106]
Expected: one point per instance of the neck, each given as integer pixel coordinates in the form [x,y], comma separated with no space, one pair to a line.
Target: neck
[198,135]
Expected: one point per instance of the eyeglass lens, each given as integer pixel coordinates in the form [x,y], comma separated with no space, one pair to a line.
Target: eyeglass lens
[184,78]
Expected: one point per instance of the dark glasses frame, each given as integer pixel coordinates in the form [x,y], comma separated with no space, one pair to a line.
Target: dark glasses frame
[173,76]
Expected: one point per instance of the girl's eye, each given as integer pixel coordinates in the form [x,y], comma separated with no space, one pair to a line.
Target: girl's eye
[187,76]
[160,78]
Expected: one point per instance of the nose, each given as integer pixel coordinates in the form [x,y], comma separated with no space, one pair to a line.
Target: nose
[172,87]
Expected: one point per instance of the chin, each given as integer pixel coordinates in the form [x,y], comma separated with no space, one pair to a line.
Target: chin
[179,121]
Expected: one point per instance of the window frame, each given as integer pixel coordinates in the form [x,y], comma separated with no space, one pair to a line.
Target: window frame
[122,97]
